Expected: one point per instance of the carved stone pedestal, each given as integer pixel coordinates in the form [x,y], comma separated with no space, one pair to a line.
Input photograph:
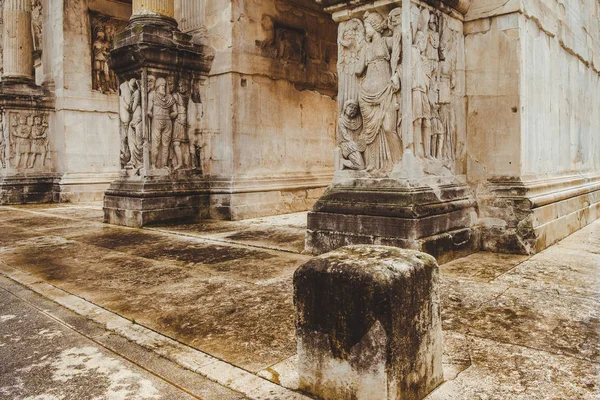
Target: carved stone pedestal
[400,179]
[434,216]
[159,70]
[143,201]
[29,188]
[27,166]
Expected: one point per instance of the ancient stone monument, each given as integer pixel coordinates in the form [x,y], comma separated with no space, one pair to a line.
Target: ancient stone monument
[27,162]
[400,174]
[446,143]
[159,70]
[368,324]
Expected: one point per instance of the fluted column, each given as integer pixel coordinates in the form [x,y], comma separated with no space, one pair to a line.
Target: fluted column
[165,8]
[17,41]
[190,15]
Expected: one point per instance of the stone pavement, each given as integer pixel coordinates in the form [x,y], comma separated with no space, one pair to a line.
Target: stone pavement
[216,298]
[49,353]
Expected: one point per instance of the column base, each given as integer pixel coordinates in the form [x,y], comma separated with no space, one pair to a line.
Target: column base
[437,219]
[141,201]
[29,188]
[525,216]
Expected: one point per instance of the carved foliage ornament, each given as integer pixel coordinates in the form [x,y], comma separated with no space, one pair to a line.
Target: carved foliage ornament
[24,140]
[370,71]
[173,110]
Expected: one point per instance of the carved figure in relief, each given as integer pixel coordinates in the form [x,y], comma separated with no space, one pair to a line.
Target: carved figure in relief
[39,144]
[290,46]
[162,111]
[352,146]
[421,107]
[135,135]
[125,115]
[21,134]
[268,24]
[195,115]
[351,36]
[181,140]
[383,146]
[36,24]
[101,49]
[3,141]
[110,32]
[171,84]
[395,24]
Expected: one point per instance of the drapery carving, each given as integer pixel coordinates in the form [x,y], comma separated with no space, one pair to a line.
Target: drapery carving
[370,69]
[172,104]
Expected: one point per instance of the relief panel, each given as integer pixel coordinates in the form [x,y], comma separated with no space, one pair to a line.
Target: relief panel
[370,65]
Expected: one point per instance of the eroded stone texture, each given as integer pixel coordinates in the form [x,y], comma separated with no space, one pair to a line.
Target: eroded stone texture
[368,324]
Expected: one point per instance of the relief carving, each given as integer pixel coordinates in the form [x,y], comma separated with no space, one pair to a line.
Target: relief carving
[370,70]
[24,145]
[286,44]
[36,24]
[3,144]
[173,107]
[104,29]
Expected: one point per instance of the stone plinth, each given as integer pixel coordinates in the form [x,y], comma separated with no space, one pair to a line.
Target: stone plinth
[400,178]
[160,71]
[368,324]
[143,201]
[27,146]
[435,216]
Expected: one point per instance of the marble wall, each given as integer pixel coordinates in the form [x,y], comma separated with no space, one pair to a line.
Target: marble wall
[268,130]
[87,125]
[533,89]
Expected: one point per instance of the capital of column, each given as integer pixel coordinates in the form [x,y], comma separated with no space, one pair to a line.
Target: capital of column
[17,42]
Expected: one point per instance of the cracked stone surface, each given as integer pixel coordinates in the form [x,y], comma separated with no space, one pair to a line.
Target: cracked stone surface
[514,327]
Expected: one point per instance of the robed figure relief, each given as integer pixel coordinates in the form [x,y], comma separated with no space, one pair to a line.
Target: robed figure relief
[376,95]
[370,75]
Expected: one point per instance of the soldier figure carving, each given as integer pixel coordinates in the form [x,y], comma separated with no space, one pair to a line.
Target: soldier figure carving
[162,111]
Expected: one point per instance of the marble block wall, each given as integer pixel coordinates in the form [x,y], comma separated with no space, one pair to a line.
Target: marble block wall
[268,130]
[87,125]
[533,88]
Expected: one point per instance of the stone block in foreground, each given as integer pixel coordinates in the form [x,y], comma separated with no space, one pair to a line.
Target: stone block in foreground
[368,324]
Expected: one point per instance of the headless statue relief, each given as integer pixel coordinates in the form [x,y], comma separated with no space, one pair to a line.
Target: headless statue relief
[181,140]
[39,144]
[162,110]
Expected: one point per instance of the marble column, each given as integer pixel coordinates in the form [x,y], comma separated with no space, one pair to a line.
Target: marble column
[161,7]
[17,41]
[190,15]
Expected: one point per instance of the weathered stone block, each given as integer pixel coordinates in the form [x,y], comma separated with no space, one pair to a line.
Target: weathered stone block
[368,324]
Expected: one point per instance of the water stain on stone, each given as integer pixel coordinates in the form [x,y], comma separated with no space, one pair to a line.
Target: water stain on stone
[160,247]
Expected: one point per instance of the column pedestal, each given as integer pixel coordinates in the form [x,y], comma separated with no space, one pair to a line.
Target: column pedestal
[433,215]
[159,70]
[27,159]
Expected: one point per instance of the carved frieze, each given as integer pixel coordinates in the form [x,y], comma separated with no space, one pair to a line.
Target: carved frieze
[24,141]
[370,69]
[299,53]
[104,29]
